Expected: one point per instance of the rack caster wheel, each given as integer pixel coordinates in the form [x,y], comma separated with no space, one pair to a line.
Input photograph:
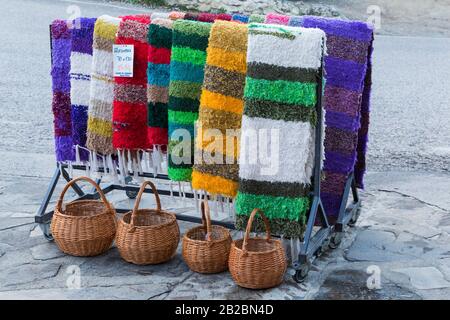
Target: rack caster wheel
[321,250]
[324,247]
[354,219]
[45,227]
[131,194]
[301,274]
[336,240]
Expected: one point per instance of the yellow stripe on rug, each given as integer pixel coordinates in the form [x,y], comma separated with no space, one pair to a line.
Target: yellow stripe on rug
[221,107]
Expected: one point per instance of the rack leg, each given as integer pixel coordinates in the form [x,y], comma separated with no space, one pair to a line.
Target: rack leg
[131,194]
[357,201]
[45,226]
[348,214]
[312,244]
[317,243]
[75,187]
[97,181]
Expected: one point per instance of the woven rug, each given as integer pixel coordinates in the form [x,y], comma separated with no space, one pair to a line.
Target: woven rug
[259,18]
[221,107]
[100,130]
[347,67]
[240,18]
[158,76]
[175,15]
[61,107]
[207,17]
[191,16]
[274,18]
[211,17]
[280,98]
[295,21]
[130,94]
[80,78]
[189,43]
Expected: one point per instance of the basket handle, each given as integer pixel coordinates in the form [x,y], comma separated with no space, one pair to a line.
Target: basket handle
[249,227]
[206,219]
[139,196]
[97,187]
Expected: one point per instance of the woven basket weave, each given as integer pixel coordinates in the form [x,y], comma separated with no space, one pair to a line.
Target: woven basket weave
[147,236]
[206,248]
[84,227]
[257,263]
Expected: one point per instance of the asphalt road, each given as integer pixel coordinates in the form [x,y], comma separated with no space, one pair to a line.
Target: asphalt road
[410,124]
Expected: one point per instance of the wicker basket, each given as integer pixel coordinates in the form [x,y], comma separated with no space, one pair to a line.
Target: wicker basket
[257,263]
[84,227]
[206,248]
[147,236]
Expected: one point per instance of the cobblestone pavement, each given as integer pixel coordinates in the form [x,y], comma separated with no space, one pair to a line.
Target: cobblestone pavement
[402,236]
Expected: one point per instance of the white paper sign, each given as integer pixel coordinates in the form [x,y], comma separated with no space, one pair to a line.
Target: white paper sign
[123,60]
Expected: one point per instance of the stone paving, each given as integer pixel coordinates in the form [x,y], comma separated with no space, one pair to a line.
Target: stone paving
[402,236]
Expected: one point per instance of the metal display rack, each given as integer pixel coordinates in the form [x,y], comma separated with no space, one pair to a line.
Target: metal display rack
[348,213]
[312,244]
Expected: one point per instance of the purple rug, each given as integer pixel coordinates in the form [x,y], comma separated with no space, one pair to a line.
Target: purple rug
[347,97]
[61,46]
[80,78]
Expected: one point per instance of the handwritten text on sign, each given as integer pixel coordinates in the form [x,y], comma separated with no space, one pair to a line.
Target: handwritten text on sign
[123,60]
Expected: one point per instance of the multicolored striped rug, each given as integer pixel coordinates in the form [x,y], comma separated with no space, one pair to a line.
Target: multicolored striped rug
[280,98]
[295,21]
[221,106]
[347,67]
[193,16]
[206,16]
[259,18]
[189,43]
[61,107]
[80,78]
[175,15]
[240,18]
[211,17]
[274,18]
[130,94]
[158,77]
[100,130]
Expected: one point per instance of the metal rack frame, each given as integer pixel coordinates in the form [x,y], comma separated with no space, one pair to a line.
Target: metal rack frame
[348,212]
[312,244]
[44,217]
